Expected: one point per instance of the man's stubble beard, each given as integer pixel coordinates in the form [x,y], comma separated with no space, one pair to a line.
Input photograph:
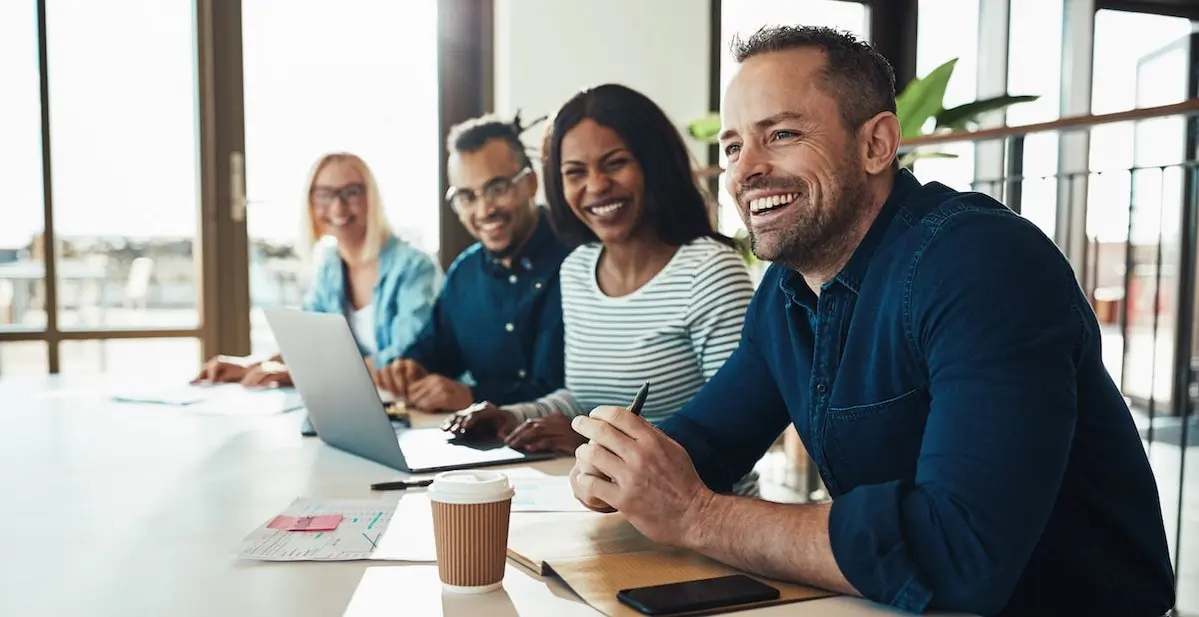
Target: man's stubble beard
[520,236]
[819,239]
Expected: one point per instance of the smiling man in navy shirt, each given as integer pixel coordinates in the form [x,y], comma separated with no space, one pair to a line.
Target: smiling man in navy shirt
[499,315]
[934,352]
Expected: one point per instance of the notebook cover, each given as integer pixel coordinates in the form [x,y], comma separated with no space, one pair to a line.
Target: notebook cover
[597,555]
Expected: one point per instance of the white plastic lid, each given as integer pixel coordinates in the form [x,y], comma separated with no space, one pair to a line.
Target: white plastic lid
[470,486]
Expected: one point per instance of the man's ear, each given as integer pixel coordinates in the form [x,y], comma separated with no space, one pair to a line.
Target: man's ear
[879,138]
[533,183]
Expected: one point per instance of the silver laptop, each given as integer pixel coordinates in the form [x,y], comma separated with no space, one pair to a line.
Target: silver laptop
[345,409]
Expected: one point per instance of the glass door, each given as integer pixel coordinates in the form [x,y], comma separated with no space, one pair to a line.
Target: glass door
[22,269]
[98,250]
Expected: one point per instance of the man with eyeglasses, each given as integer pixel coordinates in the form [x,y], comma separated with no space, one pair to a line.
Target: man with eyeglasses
[499,316]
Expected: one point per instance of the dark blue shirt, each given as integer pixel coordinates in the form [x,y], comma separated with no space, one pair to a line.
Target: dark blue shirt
[502,325]
[949,386]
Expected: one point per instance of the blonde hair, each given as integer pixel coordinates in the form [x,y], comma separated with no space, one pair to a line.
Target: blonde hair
[378,230]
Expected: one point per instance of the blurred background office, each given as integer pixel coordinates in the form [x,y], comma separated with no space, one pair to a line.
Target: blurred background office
[154,153]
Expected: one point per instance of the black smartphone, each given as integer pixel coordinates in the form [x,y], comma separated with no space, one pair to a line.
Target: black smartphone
[697,595]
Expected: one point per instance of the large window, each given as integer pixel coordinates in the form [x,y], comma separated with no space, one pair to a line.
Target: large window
[1139,63]
[948,29]
[123,154]
[132,258]
[744,17]
[362,79]
[123,113]
[21,266]
[1035,67]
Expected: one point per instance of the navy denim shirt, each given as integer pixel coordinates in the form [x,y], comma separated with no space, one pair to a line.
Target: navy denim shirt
[501,325]
[949,386]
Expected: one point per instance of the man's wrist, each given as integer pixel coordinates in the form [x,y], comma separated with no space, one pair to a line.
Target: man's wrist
[705,514]
[468,396]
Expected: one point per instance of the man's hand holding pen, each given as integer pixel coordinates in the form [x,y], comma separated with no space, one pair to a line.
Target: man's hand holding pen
[631,466]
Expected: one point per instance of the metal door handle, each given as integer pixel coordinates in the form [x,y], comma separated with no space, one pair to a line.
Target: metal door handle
[237,186]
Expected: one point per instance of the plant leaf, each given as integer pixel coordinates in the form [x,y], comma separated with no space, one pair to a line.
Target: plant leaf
[966,116]
[705,129]
[923,98]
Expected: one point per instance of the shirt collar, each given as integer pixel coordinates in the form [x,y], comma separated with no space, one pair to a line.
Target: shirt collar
[796,289]
[531,254]
[855,270]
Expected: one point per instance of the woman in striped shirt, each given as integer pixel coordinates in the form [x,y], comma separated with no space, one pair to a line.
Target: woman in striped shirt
[652,293]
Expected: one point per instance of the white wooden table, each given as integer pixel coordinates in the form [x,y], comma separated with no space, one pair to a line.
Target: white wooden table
[128,510]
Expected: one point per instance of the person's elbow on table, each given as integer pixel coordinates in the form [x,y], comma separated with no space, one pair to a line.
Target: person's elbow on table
[919,548]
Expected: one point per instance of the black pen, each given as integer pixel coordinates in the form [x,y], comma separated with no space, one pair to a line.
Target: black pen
[400,485]
[639,400]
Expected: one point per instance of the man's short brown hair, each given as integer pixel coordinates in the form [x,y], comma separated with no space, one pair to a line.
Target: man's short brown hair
[859,78]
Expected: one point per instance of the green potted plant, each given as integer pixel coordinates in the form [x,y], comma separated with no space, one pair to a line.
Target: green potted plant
[924,98]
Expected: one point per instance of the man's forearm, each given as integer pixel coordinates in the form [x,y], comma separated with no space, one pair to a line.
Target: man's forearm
[780,541]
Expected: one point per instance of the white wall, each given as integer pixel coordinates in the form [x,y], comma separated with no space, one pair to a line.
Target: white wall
[547,50]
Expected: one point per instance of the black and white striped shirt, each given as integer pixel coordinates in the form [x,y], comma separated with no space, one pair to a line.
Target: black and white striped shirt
[675,331]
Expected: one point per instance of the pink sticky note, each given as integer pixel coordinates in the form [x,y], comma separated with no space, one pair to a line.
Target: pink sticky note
[281,522]
[325,522]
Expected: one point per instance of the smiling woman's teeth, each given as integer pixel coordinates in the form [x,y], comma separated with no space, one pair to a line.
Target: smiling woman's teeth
[606,208]
[339,222]
[763,204]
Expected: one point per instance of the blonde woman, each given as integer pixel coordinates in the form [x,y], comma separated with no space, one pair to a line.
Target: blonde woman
[384,286]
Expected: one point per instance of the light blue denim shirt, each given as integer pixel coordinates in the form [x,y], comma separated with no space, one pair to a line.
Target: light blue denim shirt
[402,300]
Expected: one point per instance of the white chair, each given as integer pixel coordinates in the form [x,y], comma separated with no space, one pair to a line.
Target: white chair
[138,285]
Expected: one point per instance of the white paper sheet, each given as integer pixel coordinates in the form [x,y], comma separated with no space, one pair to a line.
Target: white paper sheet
[400,591]
[177,395]
[367,524]
[544,494]
[217,399]
[410,535]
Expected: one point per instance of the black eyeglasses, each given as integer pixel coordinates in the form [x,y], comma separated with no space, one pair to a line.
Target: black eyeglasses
[495,190]
[323,196]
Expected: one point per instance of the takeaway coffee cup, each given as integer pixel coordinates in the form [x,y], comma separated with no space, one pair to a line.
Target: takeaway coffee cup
[470,528]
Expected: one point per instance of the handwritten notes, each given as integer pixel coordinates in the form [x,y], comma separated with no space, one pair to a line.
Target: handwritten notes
[364,525]
[380,529]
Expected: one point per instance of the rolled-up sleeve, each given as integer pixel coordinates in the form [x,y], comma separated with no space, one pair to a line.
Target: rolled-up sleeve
[995,314]
[416,294]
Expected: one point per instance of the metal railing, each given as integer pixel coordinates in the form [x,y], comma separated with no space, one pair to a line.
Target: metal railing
[1137,257]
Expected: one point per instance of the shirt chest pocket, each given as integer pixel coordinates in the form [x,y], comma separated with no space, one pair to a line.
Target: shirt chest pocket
[877,442]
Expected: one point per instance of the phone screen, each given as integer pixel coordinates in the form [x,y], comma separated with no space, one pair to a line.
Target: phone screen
[697,595]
